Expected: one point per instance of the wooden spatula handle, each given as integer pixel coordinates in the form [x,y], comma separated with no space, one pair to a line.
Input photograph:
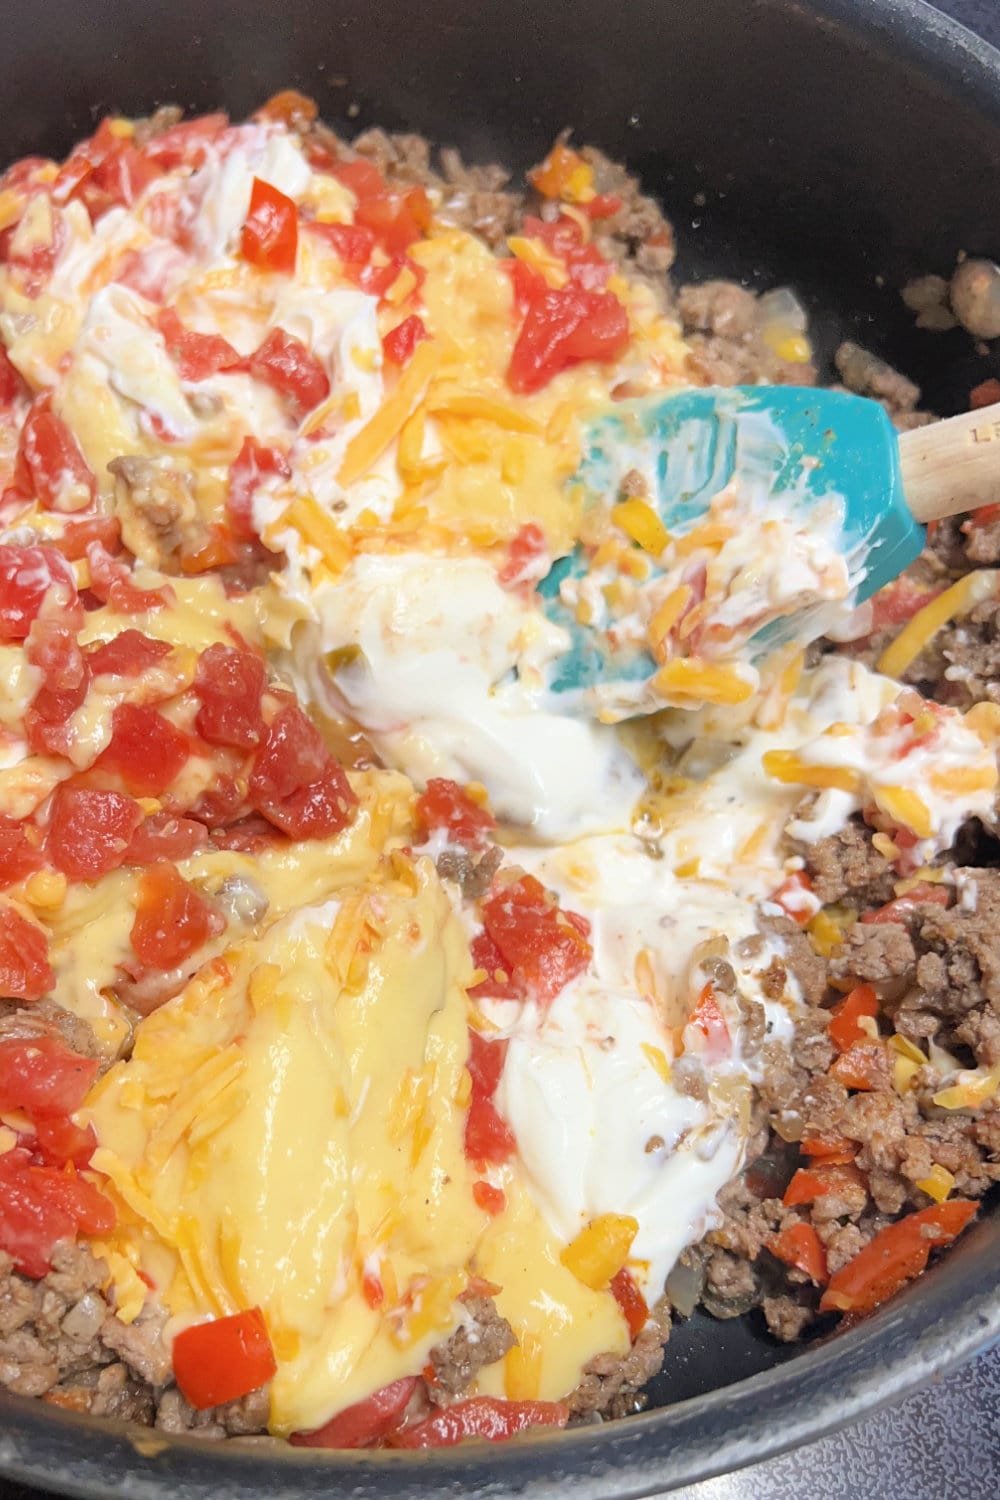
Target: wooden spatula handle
[953,465]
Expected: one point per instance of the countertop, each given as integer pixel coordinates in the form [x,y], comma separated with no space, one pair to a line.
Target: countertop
[943,1443]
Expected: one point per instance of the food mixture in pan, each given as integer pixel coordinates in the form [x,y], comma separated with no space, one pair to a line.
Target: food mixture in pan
[389,1052]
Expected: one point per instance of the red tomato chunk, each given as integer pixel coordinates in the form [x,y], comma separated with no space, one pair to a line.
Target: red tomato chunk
[364,1424]
[253,463]
[296,783]
[271,233]
[448,806]
[145,750]
[89,831]
[39,1206]
[399,343]
[228,684]
[284,362]
[172,920]
[196,355]
[26,576]
[19,857]
[49,464]
[480,1417]
[163,836]
[25,971]
[54,649]
[43,1078]
[126,655]
[631,1301]
[488,1137]
[541,948]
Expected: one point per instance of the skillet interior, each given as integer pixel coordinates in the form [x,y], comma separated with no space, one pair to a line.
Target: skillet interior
[841,145]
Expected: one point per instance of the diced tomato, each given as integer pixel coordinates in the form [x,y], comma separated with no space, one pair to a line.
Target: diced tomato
[295,781]
[60,1142]
[399,343]
[351,242]
[25,172]
[145,750]
[376,281]
[289,107]
[78,535]
[111,583]
[284,362]
[800,1246]
[488,1137]
[541,950]
[196,355]
[127,654]
[222,1360]
[562,327]
[49,462]
[631,1301]
[19,857]
[271,233]
[124,174]
[864,1066]
[448,806]
[707,1019]
[164,836]
[43,1078]
[11,383]
[54,649]
[603,206]
[987,393]
[25,971]
[895,1256]
[810,1183]
[364,1424]
[186,144]
[898,910]
[486,955]
[492,1200]
[228,684]
[527,549]
[396,219]
[33,257]
[898,602]
[364,180]
[253,463]
[845,1017]
[27,574]
[89,832]
[796,899]
[372,1289]
[39,1206]
[480,1417]
[828,1150]
[171,920]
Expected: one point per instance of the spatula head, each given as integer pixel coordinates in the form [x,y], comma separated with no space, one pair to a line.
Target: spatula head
[775,441]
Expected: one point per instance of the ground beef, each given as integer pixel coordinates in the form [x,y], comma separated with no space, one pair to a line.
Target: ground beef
[868,375]
[243,1418]
[19,1022]
[961,665]
[805,964]
[612,1383]
[847,866]
[482,1340]
[724,334]
[874,952]
[51,1329]
[786,1317]
[473,873]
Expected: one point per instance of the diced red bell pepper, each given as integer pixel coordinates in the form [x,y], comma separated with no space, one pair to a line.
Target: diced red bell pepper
[796,899]
[633,1306]
[895,1256]
[845,1017]
[492,1200]
[810,1183]
[527,547]
[364,1424]
[271,233]
[488,1137]
[800,1246]
[828,1150]
[220,1361]
[707,1018]
[25,971]
[445,805]
[172,920]
[399,343]
[480,1417]
[899,909]
[865,1067]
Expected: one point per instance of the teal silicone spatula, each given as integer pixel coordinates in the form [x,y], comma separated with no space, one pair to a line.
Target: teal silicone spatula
[825,461]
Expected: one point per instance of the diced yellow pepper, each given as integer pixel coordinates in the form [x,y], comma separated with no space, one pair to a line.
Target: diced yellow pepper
[639,521]
[937,1184]
[599,1251]
[825,933]
[906,1048]
[522,1369]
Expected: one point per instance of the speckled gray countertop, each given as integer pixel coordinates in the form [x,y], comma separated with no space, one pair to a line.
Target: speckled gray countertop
[943,1443]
